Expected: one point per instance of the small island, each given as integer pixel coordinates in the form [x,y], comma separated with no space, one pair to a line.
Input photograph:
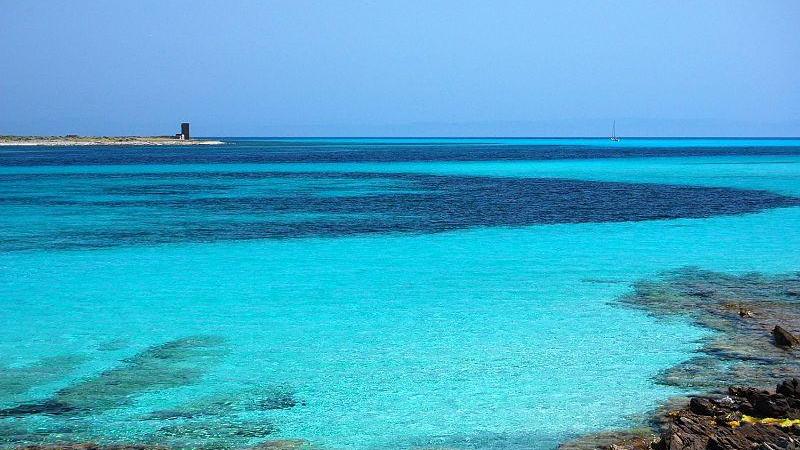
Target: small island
[182,138]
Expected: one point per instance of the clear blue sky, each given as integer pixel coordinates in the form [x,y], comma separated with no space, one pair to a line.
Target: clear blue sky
[424,68]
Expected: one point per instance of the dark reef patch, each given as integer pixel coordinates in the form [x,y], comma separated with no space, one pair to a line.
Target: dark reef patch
[620,439]
[224,420]
[255,399]
[13,435]
[743,310]
[19,380]
[176,363]
[179,207]
[276,398]
[207,432]
[285,444]
[482,440]
[221,432]
[91,446]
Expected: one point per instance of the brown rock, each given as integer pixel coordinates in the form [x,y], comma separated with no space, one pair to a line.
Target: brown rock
[714,423]
[789,388]
[636,439]
[784,338]
[687,432]
[706,406]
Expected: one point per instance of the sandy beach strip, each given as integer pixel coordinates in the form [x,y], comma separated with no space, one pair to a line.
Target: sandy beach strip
[110,141]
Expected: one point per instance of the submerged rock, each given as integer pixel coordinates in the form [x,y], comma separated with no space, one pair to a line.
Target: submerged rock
[252,399]
[741,309]
[47,407]
[173,414]
[90,446]
[276,398]
[284,444]
[217,430]
[718,423]
[19,380]
[14,433]
[113,345]
[614,440]
[173,364]
[784,338]
[227,419]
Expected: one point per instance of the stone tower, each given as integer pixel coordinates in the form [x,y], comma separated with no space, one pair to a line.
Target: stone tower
[185,130]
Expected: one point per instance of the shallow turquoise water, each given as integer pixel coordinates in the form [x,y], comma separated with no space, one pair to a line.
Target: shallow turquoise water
[474,337]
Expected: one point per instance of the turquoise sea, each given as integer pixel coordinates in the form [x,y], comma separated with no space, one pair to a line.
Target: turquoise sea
[365,293]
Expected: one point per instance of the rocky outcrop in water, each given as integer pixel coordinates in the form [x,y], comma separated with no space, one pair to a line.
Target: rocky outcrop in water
[221,420]
[784,338]
[613,440]
[745,418]
[744,311]
[755,318]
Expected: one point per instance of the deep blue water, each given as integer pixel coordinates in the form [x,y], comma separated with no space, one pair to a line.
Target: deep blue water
[209,206]
[265,150]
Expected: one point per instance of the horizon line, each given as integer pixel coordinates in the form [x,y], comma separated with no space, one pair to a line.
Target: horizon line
[500,137]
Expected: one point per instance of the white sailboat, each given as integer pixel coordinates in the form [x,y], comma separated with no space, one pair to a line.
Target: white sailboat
[614,132]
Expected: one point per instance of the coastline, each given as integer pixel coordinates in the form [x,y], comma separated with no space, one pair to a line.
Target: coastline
[732,380]
[743,384]
[68,141]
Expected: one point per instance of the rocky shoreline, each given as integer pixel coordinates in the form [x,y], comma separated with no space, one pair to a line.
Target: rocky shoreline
[743,312]
[61,141]
[755,319]
[744,418]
